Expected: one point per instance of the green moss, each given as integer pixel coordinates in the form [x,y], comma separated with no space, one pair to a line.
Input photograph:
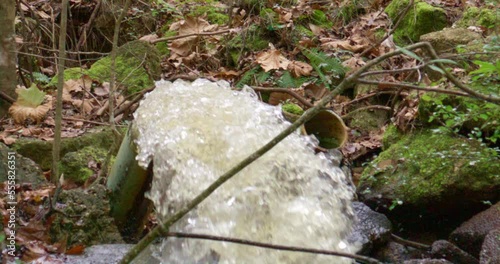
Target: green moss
[475,16]
[328,142]
[74,165]
[214,15]
[391,136]
[302,31]
[319,18]
[132,60]
[292,109]
[254,40]
[420,169]
[368,120]
[69,74]
[41,151]
[420,19]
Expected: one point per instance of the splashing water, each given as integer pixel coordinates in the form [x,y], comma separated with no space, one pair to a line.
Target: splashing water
[195,132]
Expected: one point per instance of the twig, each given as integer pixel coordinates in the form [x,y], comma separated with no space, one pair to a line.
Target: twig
[6,97]
[412,244]
[393,71]
[379,107]
[273,246]
[300,98]
[86,27]
[388,85]
[190,35]
[459,84]
[400,18]
[85,121]
[356,100]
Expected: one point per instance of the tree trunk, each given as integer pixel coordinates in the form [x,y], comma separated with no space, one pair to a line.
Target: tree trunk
[7,53]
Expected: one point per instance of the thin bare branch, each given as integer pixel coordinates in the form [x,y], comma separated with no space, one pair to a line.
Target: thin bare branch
[297,96]
[388,85]
[191,35]
[273,246]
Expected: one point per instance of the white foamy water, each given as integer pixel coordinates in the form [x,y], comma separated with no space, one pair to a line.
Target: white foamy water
[195,132]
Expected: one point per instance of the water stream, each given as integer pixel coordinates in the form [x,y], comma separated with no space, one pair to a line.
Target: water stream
[195,132]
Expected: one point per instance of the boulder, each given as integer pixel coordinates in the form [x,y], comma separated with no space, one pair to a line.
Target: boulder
[84,218]
[471,234]
[446,250]
[26,170]
[370,230]
[393,252]
[448,39]
[429,174]
[422,18]
[490,251]
[41,151]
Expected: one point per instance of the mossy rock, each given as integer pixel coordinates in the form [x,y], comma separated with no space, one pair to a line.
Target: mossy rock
[292,109]
[137,66]
[69,74]
[475,16]
[448,39]
[85,219]
[41,151]
[368,120]
[26,170]
[213,14]
[391,136]
[74,165]
[432,174]
[422,18]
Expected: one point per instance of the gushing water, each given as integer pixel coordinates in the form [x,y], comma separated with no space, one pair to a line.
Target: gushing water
[195,132]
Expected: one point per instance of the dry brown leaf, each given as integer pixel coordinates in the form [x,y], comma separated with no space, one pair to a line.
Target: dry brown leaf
[299,68]
[314,91]
[184,46]
[353,64]
[272,60]
[149,38]
[278,98]
[316,30]
[21,113]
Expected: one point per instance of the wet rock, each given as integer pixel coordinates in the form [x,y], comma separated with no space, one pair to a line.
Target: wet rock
[470,235]
[371,228]
[446,250]
[448,39]
[490,251]
[394,252]
[26,170]
[427,261]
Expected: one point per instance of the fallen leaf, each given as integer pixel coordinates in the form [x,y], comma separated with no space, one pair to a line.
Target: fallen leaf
[272,60]
[299,68]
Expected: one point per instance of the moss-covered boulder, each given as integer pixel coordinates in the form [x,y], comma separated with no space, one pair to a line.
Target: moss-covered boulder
[26,171]
[85,218]
[422,18]
[137,66]
[368,120]
[75,165]
[475,16]
[432,174]
[448,39]
[41,151]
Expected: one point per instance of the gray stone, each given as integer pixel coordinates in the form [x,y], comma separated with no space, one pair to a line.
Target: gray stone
[446,250]
[490,251]
[371,228]
[470,235]
[26,170]
[448,39]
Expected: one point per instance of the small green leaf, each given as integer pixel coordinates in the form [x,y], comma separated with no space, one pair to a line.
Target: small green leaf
[409,53]
[442,61]
[436,68]
[31,97]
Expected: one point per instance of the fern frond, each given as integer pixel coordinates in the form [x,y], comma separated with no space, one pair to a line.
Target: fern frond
[246,79]
[325,65]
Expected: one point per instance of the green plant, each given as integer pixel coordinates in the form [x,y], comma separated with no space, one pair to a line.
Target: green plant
[329,69]
[40,78]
